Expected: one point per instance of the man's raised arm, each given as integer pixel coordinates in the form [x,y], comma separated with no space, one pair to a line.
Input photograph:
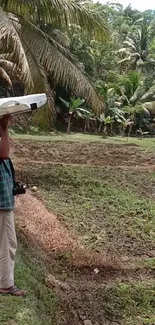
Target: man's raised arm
[4,144]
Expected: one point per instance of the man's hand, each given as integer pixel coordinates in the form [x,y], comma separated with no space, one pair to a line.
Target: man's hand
[4,122]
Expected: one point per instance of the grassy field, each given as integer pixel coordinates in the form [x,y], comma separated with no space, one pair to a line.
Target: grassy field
[109,210]
[41,306]
[109,213]
[80,137]
[104,207]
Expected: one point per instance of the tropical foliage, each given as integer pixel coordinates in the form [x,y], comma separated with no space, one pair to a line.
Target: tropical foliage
[136,48]
[37,50]
[100,56]
[74,108]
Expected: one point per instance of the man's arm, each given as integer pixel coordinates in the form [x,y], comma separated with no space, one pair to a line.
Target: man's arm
[4,144]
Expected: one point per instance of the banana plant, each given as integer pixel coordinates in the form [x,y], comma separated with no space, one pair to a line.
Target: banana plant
[107,121]
[85,115]
[142,133]
[73,108]
[127,124]
[101,120]
[117,114]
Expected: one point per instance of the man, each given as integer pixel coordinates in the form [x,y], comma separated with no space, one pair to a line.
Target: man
[8,241]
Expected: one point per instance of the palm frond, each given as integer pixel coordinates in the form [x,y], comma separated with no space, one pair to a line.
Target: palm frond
[136,54]
[58,36]
[139,32]
[130,39]
[123,50]
[130,44]
[39,56]
[124,60]
[11,44]
[40,80]
[66,73]
[7,65]
[36,73]
[11,69]
[58,12]
[23,21]
[64,102]
[90,20]
[57,65]
[4,77]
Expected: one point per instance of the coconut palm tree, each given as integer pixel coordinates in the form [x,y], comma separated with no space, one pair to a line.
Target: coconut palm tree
[37,55]
[135,52]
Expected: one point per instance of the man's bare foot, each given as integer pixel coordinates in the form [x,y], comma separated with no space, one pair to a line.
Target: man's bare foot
[13,291]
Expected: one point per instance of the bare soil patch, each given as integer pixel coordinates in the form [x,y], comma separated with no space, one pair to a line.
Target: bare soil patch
[82,153]
[95,288]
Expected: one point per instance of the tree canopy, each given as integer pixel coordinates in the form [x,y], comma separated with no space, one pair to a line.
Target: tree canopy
[103,54]
[31,38]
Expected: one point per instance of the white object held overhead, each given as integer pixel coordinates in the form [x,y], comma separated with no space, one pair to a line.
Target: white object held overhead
[22,104]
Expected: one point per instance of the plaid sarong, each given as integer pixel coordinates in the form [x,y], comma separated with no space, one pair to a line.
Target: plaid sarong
[6,186]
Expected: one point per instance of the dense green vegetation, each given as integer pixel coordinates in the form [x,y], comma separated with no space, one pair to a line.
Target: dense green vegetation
[98,53]
[122,70]
[35,50]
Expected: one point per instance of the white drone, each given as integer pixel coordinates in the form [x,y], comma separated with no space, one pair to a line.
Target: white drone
[23,104]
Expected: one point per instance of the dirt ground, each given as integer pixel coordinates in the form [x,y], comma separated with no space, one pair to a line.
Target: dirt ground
[94,154]
[79,286]
[73,270]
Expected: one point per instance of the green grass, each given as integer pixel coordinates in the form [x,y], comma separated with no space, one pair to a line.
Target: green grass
[41,305]
[104,208]
[144,143]
[122,303]
[74,137]
[59,137]
[108,210]
[119,302]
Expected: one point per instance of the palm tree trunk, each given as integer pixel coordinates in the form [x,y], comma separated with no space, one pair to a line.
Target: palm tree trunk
[111,126]
[123,131]
[130,129]
[85,126]
[69,124]
[100,126]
